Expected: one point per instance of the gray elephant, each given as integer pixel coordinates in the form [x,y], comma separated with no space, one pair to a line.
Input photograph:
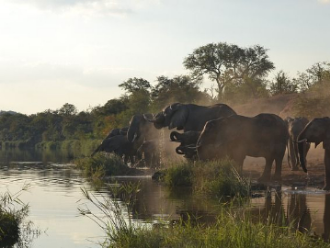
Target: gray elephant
[264,135]
[140,129]
[316,131]
[187,141]
[295,126]
[119,145]
[145,137]
[117,131]
[189,117]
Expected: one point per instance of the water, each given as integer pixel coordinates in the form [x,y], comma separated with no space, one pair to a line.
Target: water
[54,196]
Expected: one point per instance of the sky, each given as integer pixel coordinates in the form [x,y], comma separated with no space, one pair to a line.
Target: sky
[54,52]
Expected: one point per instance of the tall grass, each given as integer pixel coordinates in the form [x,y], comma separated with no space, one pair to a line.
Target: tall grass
[10,218]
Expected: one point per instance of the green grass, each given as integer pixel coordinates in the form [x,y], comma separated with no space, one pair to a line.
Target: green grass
[216,178]
[102,165]
[179,175]
[10,218]
[228,232]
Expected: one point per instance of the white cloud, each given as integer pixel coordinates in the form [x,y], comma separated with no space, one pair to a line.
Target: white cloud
[89,7]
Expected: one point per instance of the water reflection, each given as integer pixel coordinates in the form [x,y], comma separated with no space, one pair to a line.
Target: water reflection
[326,218]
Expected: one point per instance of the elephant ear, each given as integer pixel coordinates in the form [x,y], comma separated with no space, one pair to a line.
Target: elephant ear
[179,116]
[231,127]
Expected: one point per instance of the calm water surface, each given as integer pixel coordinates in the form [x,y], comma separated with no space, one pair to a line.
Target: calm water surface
[54,196]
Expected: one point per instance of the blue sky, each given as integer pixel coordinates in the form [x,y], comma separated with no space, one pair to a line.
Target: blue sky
[78,51]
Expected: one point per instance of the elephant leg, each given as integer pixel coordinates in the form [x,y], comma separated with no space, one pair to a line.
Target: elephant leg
[293,154]
[265,177]
[278,168]
[327,169]
[295,166]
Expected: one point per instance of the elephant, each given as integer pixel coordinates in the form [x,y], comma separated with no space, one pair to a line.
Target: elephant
[188,141]
[189,117]
[117,131]
[316,131]
[140,129]
[149,151]
[119,145]
[145,137]
[295,126]
[236,136]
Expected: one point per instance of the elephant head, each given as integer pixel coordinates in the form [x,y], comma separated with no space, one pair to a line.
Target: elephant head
[116,144]
[215,138]
[316,131]
[173,116]
[140,129]
[134,130]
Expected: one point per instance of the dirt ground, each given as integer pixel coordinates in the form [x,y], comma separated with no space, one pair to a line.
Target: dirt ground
[253,168]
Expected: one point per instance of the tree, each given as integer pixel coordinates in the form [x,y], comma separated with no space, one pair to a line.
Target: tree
[68,109]
[317,73]
[178,89]
[226,64]
[282,84]
[132,85]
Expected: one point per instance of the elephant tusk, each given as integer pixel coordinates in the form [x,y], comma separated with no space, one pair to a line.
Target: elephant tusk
[302,141]
[149,119]
[192,147]
[134,137]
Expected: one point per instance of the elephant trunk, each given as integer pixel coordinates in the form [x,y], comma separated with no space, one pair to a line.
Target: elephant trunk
[301,148]
[175,136]
[131,134]
[95,151]
[179,150]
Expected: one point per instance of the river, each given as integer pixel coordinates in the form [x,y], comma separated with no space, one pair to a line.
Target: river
[54,196]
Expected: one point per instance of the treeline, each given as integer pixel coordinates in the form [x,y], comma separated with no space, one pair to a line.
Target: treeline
[240,74]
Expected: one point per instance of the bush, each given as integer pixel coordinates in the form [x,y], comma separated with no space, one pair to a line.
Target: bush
[102,165]
[179,175]
[217,178]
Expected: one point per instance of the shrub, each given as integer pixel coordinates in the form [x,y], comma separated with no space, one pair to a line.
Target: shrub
[217,178]
[179,175]
[102,165]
